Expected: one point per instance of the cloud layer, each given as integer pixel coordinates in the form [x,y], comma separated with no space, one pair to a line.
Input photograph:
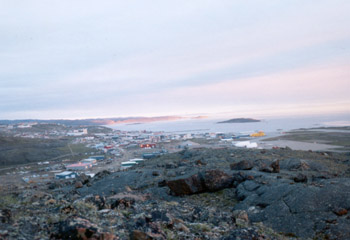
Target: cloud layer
[81,59]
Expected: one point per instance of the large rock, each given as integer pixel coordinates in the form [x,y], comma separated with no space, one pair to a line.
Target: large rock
[294,164]
[187,186]
[274,167]
[300,178]
[242,165]
[83,178]
[78,184]
[5,216]
[215,180]
[101,175]
[240,217]
[125,200]
[208,181]
[97,200]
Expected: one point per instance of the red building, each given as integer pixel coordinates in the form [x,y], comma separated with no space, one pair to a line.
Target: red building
[148,145]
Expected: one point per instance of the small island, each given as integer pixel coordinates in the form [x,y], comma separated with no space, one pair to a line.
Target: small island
[241,120]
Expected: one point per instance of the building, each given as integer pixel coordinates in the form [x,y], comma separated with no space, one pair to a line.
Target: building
[79,166]
[148,145]
[150,155]
[99,157]
[128,164]
[258,134]
[89,160]
[137,160]
[66,175]
[78,132]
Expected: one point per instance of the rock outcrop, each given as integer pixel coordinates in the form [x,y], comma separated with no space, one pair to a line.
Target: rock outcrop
[192,194]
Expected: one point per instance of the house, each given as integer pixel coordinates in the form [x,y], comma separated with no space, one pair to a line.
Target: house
[89,160]
[79,166]
[150,155]
[78,132]
[137,160]
[189,144]
[148,145]
[99,157]
[66,175]
[128,164]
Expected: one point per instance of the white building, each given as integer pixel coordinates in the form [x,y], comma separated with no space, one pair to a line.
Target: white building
[66,175]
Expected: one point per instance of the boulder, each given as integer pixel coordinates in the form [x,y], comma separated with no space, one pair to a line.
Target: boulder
[215,180]
[200,163]
[68,210]
[266,169]
[83,178]
[162,183]
[50,202]
[340,211]
[186,186]
[160,216]
[275,165]
[101,175]
[98,200]
[125,200]
[54,185]
[242,165]
[78,184]
[295,164]
[300,178]
[208,181]
[240,217]
[181,227]
[5,216]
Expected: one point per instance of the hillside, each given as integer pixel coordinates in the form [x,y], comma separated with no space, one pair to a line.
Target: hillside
[192,194]
[15,150]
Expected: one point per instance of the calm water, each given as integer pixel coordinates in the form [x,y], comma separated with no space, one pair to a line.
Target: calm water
[210,125]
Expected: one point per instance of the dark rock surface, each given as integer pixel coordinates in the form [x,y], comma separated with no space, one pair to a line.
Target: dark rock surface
[242,165]
[193,194]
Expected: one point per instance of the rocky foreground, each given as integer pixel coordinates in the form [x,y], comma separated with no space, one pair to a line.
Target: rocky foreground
[193,194]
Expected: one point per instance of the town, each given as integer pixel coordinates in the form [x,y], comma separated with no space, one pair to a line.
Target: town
[91,149]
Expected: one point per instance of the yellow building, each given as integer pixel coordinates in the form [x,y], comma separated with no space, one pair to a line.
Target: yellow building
[258,134]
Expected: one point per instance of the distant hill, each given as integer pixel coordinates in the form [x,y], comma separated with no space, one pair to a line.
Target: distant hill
[96,121]
[241,120]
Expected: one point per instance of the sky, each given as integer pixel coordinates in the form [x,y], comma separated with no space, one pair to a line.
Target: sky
[90,59]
